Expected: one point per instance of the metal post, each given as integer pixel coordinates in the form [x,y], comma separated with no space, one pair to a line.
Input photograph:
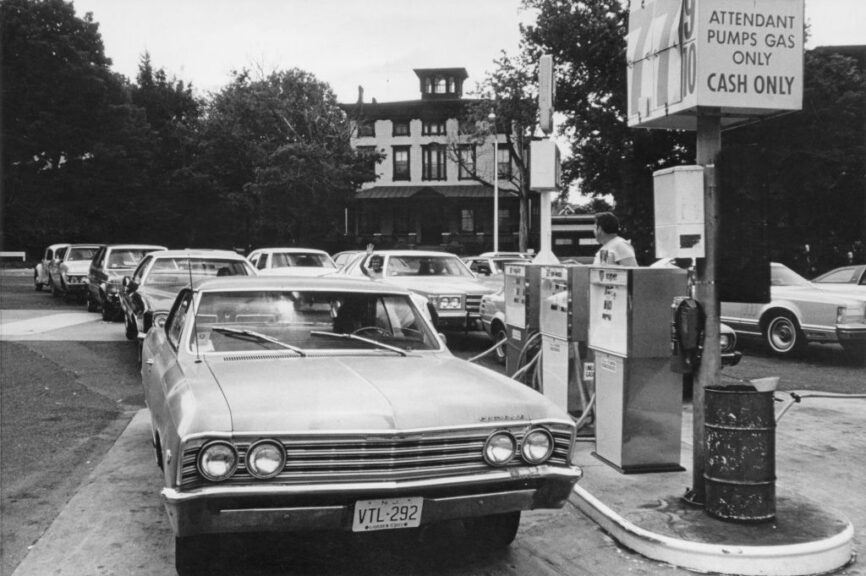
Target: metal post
[709,144]
[495,191]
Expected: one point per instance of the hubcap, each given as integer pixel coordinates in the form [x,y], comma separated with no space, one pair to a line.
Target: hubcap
[783,335]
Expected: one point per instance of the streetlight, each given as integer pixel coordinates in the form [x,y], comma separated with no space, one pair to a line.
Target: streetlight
[492,118]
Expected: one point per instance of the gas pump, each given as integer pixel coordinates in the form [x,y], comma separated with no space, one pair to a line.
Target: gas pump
[638,398]
[564,298]
[521,311]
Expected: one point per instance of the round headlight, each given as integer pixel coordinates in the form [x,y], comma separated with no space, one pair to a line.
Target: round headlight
[499,449]
[537,446]
[217,461]
[266,459]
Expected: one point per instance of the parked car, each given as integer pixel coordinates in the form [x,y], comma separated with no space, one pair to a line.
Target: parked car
[493,320]
[295,404]
[291,262]
[799,312]
[490,266]
[41,274]
[453,291]
[148,294]
[69,272]
[109,265]
[844,279]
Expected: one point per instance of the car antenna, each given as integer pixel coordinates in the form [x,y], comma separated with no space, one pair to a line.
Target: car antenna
[194,310]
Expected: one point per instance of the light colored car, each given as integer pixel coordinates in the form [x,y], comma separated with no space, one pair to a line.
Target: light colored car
[493,320]
[41,274]
[104,278]
[844,279]
[490,266]
[291,262]
[69,272]
[453,291]
[799,312]
[295,404]
[148,294]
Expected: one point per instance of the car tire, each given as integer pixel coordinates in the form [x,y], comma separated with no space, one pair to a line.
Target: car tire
[131,329]
[193,555]
[36,283]
[499,334]
[91,305]
[494,531]
[782,334]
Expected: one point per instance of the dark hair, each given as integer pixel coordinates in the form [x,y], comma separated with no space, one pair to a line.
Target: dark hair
[608,222]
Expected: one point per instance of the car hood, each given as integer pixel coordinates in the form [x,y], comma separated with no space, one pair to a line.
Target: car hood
[433,285]
[307,271]
[369,393]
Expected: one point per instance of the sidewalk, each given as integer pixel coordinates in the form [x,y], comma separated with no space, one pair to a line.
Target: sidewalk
[819,471]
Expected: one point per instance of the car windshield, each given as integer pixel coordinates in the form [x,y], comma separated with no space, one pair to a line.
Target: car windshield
[781,275]
[306,259]
[79,253]
[177,272]
[308,320]
[126,257]
[427,266]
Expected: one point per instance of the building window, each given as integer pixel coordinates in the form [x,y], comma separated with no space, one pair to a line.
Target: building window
[401,163]
[441,85]
[433,128]
[428,85]
[433,162]
[400,128]
[506,224]
[451,85]
[503,158]
[467,221]
[466,159]
[368,153]
[366,128]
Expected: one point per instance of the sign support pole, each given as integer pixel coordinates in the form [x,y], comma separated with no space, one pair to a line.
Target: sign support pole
[709,144]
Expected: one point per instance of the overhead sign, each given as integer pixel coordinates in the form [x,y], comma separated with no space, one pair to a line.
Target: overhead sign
[743,57]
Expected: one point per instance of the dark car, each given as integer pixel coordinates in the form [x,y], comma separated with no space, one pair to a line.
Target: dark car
[110,264]
[148,294]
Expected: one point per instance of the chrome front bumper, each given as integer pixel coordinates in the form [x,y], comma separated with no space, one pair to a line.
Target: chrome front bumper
[274,507]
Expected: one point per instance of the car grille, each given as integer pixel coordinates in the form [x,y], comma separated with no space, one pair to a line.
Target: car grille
[312,459]
[473,304]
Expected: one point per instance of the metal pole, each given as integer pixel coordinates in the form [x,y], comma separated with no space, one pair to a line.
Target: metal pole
[709,144]
[495,192]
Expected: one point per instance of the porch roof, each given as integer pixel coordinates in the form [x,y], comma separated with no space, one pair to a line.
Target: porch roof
[465,191]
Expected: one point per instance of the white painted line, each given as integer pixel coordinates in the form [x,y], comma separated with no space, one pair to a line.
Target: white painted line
[45,324]
[817,557]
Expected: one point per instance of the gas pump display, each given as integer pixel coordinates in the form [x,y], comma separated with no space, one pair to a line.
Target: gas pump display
[638,398]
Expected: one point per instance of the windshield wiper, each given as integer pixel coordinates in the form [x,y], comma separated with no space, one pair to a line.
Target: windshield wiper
[399,351]
[258,337]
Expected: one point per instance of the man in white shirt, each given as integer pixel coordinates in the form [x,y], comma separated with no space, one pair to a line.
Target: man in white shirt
[614,248]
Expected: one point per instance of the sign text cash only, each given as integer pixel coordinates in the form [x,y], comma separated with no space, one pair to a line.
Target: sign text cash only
[744,57]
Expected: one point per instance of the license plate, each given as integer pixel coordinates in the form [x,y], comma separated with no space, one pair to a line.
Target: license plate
[386,514]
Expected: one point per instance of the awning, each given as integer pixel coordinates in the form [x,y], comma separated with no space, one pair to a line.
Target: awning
[445,191]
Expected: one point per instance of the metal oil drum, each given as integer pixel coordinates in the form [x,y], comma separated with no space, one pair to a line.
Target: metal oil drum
[740,449]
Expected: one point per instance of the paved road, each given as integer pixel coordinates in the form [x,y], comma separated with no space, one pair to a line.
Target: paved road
[90,504]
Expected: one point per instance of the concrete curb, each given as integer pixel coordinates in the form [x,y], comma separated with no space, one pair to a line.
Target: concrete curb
[804,559]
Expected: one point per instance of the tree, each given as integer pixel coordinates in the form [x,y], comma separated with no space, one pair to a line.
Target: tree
[73,145]
[587,42]
[276,151]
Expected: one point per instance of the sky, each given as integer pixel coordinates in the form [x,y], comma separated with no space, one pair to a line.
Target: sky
[347,43]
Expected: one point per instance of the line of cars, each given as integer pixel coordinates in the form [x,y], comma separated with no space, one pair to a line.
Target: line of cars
[289,402]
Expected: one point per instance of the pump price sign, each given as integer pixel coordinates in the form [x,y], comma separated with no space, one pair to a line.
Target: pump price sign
[608,310]
[744,57]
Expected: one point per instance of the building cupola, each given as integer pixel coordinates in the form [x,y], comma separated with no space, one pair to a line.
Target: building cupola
[441,83]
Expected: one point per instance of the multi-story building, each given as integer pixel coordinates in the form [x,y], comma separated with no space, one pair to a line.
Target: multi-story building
[434,187]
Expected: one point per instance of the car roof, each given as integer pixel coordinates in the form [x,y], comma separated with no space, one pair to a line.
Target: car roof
[414,253]
[84,245]
[293,250]
[146,246]
[336,283]
[198,253]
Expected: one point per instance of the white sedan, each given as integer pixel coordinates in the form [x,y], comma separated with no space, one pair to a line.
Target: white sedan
[292,262]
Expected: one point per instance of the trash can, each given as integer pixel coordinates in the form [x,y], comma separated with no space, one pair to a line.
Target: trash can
[740,449]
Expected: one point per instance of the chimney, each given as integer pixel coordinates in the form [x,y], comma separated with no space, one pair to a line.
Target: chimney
[360,94]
